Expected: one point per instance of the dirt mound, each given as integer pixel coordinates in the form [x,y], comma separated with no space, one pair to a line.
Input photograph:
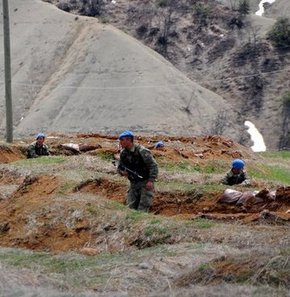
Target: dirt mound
[109,189]
[10,153]
[34,218]
[176,148]
[193,204]
[37,213]
[255,269]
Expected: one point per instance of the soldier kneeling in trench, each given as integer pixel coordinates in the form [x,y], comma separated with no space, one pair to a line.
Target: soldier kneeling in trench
[237,175]
[38,148]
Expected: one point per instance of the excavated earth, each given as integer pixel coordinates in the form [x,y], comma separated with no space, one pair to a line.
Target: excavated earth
[38,212]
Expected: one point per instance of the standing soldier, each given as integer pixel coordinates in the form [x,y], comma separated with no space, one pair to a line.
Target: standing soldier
[38,148]
[139,166]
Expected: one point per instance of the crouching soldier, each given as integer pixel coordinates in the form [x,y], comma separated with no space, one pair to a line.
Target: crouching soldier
[236,175]
[38,148]
[139,166]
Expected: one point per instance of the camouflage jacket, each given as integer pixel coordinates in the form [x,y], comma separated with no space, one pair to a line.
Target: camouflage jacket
[233,179]
[34,150]
[139,162]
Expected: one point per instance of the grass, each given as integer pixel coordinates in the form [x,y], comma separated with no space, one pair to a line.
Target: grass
[275,155]
[190,188]
[71,262]
[184,166]
[175,185]
[136,216]
[61,264]
[203,267]
[154,235]
[212,166]
[47,160]
[106,156]
[155,230]
[201,223]
[66,187]
[270,173]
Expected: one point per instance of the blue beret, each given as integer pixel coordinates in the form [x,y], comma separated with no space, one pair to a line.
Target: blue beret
[238,164]
[126,133]
[40,135]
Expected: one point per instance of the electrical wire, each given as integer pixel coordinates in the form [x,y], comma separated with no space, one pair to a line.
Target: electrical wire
[158,86]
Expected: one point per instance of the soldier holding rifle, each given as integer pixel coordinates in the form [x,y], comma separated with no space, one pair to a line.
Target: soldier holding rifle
[139,166]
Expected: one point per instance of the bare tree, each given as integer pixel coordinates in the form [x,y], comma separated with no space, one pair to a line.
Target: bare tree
[92,7]
[284,142]
[219,124]
[165,16]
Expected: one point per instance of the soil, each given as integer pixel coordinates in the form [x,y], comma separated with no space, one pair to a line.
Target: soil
[33,214]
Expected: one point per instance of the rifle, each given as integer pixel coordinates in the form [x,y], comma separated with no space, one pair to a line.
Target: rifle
[134,174]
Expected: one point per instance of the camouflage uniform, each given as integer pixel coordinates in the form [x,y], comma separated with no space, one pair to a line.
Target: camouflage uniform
[35,150]
[139,160]
[233,179]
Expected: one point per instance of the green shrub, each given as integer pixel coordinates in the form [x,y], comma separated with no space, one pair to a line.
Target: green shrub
[286,98]
[279,35]
[163,3]
[202,13]
[244,7]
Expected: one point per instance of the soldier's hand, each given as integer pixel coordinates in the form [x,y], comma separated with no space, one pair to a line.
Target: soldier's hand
[149,185]
[245,183]
[124,173]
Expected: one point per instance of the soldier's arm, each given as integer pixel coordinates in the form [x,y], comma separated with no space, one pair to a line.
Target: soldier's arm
[46,150]
[150,163]
[120,166]
[247,181]
[225,180]
[31,151]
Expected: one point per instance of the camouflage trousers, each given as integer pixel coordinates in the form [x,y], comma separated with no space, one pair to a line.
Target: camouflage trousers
[138,197]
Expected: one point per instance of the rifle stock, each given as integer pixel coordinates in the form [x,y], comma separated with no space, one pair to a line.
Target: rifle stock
[124,168]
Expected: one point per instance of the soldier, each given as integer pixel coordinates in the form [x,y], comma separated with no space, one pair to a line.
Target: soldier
[237,175]
[38,148]
[139,166]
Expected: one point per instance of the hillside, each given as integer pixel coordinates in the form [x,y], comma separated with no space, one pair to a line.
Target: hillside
[91,77]
[279,8]
[65,231]
[211,45]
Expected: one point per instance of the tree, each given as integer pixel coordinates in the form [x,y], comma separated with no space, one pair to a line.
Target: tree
[201,14]
[219,124]
[285,137]
[92,7]
[244,7]
[166,22]
[279,35]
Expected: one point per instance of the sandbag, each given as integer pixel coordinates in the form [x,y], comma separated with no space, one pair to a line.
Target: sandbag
[230,196]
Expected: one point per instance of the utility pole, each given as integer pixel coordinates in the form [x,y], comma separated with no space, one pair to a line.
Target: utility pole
[7,63]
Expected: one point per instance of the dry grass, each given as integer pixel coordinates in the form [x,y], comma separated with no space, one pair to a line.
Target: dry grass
[66,203]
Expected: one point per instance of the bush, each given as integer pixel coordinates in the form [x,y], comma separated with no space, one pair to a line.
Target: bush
[163,3]
[92,7]
[286,99]
[244,7]
[279,35]
[201,14]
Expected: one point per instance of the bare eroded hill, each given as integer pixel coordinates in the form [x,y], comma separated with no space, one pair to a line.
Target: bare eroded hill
[213,45]
[73,74]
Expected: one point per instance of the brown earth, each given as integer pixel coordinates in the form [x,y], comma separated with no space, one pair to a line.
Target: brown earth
[36,214]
